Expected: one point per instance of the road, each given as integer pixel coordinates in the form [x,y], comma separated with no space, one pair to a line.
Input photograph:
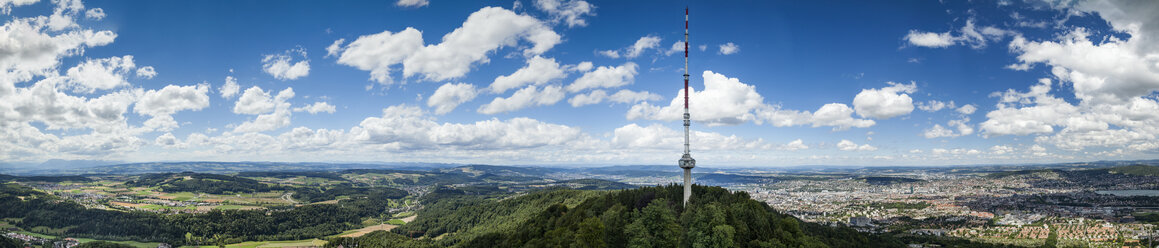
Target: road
[287,197]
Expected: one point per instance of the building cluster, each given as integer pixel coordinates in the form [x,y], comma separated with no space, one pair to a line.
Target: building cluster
[1006,210]
[29,239]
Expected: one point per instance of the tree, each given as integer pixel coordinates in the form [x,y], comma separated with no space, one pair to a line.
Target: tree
[722,236]
[699,220]
[10,242]
[103,244]
[655,226]
[615,219]
[590,234]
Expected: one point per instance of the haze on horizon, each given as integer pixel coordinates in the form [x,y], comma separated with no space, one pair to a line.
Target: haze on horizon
[579,82]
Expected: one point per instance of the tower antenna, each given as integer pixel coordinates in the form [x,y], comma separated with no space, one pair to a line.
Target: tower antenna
[686,161]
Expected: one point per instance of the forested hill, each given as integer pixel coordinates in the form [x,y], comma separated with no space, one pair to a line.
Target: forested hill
[201,182]
[656,217]
[644,217]
[1138,170]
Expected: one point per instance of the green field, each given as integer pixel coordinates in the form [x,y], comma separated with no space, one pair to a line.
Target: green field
[288,243]
[43,229]
[404,214]
[230,207]
[182,196]
[130,243]
[86,240]
[159,207]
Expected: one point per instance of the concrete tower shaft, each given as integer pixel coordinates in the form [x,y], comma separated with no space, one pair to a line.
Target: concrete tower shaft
[686,162]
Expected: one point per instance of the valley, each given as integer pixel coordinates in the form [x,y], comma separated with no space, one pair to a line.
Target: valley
[484,206]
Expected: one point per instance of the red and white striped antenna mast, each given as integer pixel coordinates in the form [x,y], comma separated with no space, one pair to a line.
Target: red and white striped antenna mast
[686,161]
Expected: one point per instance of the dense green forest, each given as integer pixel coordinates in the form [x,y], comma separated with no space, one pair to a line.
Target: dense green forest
[317,194]
[201,183]
[656,217]
[486,214]
[1138,170]
[471,211]
[644,217]
[441,178]
[292,174]
[45,179]
[103,244]
[10,242]
[215,227]
[596,184]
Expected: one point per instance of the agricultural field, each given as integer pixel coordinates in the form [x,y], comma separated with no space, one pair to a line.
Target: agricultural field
[288,208]
[138,193]
[272,244]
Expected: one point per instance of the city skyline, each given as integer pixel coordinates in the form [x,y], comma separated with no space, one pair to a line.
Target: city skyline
[579,83]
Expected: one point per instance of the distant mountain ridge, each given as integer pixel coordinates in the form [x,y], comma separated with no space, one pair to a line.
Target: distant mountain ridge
[1140,176]
[215,167]
[1138,170]
[82,167]
[62,163]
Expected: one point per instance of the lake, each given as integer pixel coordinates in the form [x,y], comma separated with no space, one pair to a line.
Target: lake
[1133,192]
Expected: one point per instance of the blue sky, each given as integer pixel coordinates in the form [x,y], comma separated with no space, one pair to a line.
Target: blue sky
[551,82]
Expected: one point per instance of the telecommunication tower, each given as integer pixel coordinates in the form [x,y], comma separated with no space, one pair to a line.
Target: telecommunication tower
[686,161]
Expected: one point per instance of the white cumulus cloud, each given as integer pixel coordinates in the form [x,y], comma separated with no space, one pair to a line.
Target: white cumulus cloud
[409,127]
[677,47]
[846,145]
[283,67]
[1110,72]
[795,145]
[317,107]
[450,95]
[930,39]
[885,103]
[609,53]
[230,88]
[253,101]
[484,31]
[935,105]
[969,35]
[273,113]
[524,98]
[146,72]
[660,137]
[724,101]
[728,101]
[95,14]
[967,109]
[161,104]
[641,45]
[729,48]
[30,49]
[101,74]
[622,96]
[167,140]
[173,98]
[412,3]
[334,48]
[538,71]
[839,116]
[581,67]
[605,77]
[571,12]
[6,5]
